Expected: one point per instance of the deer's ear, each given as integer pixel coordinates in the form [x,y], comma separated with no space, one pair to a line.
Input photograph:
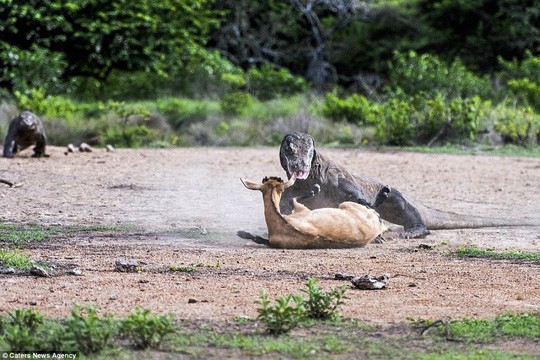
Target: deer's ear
[250,184]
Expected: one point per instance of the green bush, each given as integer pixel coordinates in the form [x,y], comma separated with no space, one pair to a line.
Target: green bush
[528,68]
[440,120]
[146,330]
[287,312]
[31,68]
[291,310]
[527,90]
[267,82]
[131,136]
[515,125]
[426,119]
[235,103]
[394,124]
[322,305]
[20,330]
[87,332]
[181,112]
[355,109]
[414,73]
[45,105]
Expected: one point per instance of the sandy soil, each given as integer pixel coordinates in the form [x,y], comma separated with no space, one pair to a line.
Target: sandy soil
[186,206]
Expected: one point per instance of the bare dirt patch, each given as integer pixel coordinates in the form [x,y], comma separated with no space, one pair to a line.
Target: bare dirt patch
[186,206]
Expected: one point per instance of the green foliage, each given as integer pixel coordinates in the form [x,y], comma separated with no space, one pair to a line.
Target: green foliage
[236,103]
[128,131]
[182,112]
[93,38]
[20,329]
[414,73]
[472,251]
[354,109]
[33,67]
[394,125]
[291,310]
[287,312]
[146,330]
[516,125]
[87,332]
[487,330]
[427,119]
[15,258]
[44,105]
[527,90]
[322,305]
[267,82]
[447,120]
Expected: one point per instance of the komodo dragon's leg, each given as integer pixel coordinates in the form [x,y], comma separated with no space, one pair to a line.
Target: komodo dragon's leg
[312,192]
[352,191]
[396,209]
[39,149]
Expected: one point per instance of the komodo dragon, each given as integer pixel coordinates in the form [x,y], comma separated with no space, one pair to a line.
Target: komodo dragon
[298,155]
[24,131]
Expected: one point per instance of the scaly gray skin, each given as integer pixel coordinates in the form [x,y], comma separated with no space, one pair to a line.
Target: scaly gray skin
[24,131]
[298,155]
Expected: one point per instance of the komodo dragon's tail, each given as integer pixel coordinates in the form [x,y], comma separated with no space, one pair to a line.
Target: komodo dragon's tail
[443,220]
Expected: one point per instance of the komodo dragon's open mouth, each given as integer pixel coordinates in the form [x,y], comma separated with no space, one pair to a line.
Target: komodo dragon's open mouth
[300,175]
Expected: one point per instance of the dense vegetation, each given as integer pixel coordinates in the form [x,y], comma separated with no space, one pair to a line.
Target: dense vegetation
[215,72]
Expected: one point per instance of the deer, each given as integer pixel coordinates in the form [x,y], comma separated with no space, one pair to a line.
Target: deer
[350,225]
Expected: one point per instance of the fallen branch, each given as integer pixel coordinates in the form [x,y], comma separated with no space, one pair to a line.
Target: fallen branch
[10,184]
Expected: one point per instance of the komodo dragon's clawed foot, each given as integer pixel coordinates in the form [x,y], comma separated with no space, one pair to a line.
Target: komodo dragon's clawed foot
[379,240]
[417,232]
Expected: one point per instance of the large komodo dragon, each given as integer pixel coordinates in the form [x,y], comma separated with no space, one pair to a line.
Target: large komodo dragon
[24,131]
[298,156]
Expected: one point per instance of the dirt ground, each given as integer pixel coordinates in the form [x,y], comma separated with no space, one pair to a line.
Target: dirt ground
[186,205]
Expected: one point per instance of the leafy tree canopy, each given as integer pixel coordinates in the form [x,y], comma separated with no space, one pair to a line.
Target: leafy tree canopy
[94,37]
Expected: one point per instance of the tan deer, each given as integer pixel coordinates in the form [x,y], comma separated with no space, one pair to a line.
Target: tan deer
[349,225]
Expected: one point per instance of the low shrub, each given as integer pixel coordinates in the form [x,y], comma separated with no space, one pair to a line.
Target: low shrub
[355,109]
[87,332]
[290,311]
[322,305]
[528,91]
[146,330]
[394,124]
[268,82]
[415,73]
[516,125]
[236,103]
[181,112]
[287,312]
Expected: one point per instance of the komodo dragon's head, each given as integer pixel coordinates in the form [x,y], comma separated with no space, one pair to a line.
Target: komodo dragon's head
[296,154]
[28,122]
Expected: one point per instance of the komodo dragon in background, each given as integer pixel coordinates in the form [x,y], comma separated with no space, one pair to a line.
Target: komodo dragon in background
[24,131]
[298,155]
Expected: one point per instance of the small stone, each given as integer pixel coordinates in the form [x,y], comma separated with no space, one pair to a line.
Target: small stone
[369,282]
[8,271]
[109,148]
[123,265]
[71,148]
[191,301]
[84,147]
[39,271]
[343,276]
[114,296]
[75,271]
